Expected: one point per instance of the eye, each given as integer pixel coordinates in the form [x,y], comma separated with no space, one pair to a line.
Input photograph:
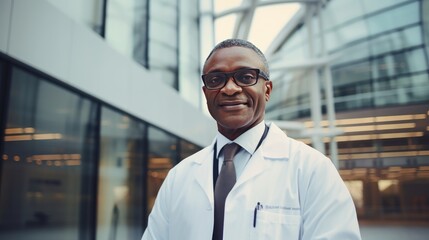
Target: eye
[214,79]
[246,77]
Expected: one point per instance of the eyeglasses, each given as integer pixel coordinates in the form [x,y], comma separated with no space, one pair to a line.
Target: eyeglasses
[243,78]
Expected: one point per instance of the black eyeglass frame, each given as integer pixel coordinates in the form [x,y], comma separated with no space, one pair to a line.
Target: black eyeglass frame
[228,75]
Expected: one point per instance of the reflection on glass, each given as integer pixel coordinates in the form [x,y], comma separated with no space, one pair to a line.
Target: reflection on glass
[372,6]
[350,10]
[162,157]
[187,149]
[389,20]
[1,82]
[120,181]
[189,53]
[381,88]
[356,191]
[164,41]
[389,195]
[396,41]
[352,32]
[126,28]
[47,159]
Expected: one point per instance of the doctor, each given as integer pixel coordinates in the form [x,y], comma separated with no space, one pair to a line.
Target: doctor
[282,189]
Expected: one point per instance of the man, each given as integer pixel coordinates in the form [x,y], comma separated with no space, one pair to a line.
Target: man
[280,188]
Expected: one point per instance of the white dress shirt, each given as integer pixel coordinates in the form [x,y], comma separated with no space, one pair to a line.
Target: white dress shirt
[248,142]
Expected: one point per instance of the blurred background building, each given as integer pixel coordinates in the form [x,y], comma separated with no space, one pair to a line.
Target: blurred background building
[99,99]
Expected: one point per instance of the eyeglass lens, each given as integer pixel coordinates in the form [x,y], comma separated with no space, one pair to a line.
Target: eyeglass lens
[243,77]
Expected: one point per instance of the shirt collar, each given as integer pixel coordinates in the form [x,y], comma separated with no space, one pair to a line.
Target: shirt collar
[248,140]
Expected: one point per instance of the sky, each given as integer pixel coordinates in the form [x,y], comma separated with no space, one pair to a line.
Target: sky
[267,21]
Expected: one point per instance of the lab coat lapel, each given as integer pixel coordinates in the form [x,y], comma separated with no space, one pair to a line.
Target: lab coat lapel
[203,171]
[275,146]
[256,165]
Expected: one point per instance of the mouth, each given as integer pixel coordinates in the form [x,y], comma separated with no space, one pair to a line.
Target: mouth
[233,105]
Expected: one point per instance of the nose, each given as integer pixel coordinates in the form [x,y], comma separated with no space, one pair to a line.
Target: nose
[231,87]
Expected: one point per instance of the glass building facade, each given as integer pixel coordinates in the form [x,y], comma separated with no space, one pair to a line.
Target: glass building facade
[73,164]
[95,109]
[378,63]
[156,34]
[99,99]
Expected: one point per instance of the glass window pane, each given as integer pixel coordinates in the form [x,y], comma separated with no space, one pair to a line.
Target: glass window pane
[189,50]
[187,149]
[48,161]
[425,24]
[338,12]
[352,73]
[120,181]
[1,81]
[353,53]
[397,40]
[372,6]
[126,28]
[414,61]
[162,157]
[395,18]
[420,84]
[352,32]
[163,39]
[333,41]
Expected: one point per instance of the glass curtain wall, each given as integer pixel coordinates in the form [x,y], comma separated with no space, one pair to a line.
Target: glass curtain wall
[48,156]
[73,167]
[167,43]
[381,58]
[425,10]
[162,157]
[187,149]
[120,211]
[380,75]
[189,52]
[163,40]
[126,28]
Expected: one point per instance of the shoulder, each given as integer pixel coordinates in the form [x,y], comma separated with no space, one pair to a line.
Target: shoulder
[197,158]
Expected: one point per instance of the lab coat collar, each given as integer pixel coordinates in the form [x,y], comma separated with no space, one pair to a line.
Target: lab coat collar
[203,161]
[275,146]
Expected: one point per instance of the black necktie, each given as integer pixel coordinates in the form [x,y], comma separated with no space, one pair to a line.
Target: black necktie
[224,184]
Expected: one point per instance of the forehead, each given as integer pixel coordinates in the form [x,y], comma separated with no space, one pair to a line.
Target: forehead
[232,58]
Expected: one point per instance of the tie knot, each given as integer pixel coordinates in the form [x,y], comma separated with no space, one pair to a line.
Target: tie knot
[229,151]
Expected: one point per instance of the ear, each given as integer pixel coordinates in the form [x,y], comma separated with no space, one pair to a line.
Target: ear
[268,89]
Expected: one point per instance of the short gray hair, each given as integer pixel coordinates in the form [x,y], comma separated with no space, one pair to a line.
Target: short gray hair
[234,42]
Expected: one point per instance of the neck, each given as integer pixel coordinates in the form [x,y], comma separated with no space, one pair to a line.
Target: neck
[233,133]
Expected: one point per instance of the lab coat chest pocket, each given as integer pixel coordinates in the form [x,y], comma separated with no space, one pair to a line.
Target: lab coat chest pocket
[276,225]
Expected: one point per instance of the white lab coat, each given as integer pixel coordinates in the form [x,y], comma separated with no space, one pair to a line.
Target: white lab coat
[300,192]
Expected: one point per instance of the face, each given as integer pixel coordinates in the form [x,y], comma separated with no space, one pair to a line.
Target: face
[236,109]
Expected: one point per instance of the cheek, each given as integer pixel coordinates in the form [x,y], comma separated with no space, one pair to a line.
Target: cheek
[261,106]
[210,101]
[208,95]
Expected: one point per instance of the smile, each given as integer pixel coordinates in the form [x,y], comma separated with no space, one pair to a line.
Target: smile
[231,106]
